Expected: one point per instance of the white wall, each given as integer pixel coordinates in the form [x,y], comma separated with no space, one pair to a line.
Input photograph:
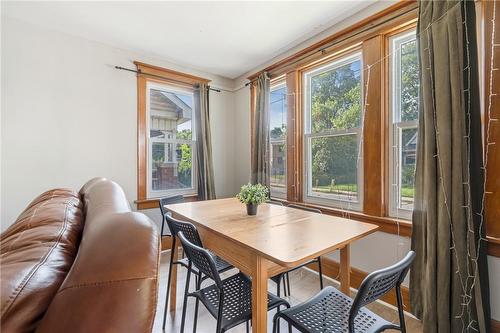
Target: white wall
[68,115]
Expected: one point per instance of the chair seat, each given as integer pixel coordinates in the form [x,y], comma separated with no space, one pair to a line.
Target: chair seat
[237,306]
[328,311]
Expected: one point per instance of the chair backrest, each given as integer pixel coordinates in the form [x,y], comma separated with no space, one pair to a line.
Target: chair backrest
[201,258]
[168,201]
[380,282]
[309,209]
[189,230]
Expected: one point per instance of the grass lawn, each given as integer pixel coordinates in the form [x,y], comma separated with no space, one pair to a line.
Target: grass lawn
[407,192]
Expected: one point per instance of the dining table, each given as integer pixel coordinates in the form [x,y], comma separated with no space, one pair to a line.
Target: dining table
[275,240]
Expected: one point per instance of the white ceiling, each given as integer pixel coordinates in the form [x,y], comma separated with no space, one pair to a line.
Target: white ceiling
[224,38]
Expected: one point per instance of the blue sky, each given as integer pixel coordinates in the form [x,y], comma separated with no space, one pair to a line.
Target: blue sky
[278,108]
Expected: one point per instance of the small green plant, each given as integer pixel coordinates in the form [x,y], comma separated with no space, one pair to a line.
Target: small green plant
[253,194]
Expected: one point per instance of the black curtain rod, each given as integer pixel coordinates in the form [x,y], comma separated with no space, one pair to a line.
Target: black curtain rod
[158,76]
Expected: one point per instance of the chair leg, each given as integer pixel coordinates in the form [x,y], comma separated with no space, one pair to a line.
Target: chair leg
[320,271]
[184,304]
[284,285]
[276,322]
[248,326]
[169,280]
[198,285]
[278,287]
[288,283]
[401,313]
[219,314]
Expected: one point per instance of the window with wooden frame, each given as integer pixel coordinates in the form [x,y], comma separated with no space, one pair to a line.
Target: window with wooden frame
[332,132]
[166,149]
[278,147]
[337,154]
[385,40]
[404,85]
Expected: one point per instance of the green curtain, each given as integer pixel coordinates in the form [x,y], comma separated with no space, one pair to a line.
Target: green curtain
[260,135]
[449,289]
[206,185]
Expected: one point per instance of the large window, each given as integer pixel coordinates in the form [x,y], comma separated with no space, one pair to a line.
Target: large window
[171,140]
[404,87]
[333,106]
[278,116]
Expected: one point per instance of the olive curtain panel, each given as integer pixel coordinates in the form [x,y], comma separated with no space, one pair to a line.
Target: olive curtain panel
[260,132]
[206,186]
[449,278]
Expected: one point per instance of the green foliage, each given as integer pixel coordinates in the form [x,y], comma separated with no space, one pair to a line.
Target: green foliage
[185,164]
[253,194]
[336,99]
[408,175]
[410,81]
[278,132]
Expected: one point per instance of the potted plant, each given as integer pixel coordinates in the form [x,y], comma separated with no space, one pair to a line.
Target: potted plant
[252,196]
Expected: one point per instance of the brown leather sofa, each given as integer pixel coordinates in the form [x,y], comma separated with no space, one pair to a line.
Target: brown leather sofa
[79,262]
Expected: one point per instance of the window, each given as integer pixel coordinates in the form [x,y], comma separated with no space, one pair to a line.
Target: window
[332,111]
[171,140]
[404,99]
[277,127]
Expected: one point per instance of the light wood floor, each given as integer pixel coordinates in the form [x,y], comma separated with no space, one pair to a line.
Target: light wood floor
[304,284]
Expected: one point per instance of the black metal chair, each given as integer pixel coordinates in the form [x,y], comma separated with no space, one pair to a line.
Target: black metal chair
[168,201]
[332,311]
[285,275]
[229,301]
[190,233]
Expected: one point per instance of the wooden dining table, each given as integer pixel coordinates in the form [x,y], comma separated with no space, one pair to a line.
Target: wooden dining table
[275,240]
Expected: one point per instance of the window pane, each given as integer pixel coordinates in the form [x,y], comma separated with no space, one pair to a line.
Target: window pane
[170,114]
[334,166]
[278,118]
[407,170]
[278,165]
[278,113]
[171,137]
[404,99]
[172,175]
[336,98]
[409,81]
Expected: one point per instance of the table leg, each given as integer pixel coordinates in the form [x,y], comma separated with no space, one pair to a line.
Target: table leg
[259,295]
[345,269]
[173,282]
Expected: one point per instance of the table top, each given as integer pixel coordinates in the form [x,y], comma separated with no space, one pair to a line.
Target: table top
[284,235]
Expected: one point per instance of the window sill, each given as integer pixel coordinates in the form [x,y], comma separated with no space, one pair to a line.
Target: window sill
[387,224]
[153,203]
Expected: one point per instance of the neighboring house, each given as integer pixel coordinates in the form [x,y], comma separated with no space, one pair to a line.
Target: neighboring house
[409,152]
[278,154]
[167,112]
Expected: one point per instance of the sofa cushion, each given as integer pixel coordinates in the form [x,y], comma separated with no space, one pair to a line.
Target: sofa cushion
[36,253]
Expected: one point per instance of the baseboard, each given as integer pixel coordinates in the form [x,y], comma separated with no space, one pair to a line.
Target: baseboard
[495,326]
[331,268]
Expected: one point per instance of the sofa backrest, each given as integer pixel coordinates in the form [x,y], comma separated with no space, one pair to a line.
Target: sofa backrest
[112,285]
[37,252]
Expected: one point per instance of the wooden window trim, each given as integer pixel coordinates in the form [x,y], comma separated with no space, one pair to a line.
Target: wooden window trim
[493,168]
[374,43]
[149,73]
